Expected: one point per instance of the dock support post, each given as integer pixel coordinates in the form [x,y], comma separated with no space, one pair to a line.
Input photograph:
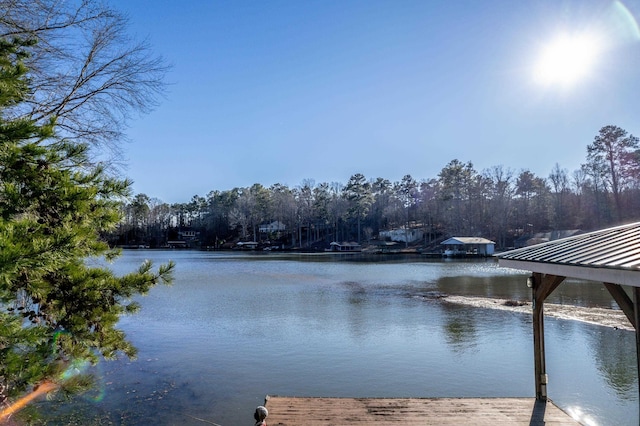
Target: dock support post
[538,342]
[542,287]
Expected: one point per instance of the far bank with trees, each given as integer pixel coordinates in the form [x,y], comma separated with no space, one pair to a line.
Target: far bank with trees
[497,203]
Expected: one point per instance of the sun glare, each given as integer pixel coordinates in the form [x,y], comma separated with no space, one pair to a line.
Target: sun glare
[567,60]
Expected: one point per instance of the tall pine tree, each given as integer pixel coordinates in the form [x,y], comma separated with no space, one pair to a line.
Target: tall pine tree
[55,309]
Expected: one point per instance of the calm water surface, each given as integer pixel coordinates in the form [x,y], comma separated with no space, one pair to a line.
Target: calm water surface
[236,327]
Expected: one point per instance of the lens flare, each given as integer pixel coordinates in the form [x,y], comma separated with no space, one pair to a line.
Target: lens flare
[75,368]
[624,23]
[18,405]
[98,392]
[57,336]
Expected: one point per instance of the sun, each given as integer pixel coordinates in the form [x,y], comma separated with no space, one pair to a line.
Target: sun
[567,60]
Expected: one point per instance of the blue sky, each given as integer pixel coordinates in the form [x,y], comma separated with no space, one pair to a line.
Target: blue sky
[282,91]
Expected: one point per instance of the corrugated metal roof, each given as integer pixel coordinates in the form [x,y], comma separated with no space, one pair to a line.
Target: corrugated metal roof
[612,248]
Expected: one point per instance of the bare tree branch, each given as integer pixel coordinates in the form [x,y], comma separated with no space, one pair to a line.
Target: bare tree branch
[84,70]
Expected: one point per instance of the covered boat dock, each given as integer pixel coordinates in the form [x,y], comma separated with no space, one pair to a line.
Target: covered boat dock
[610,256]
[468,247]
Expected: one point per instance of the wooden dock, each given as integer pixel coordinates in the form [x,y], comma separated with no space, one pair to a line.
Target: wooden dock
[296,411]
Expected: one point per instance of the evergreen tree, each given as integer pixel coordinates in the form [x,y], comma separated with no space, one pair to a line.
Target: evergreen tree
[613,158]
[57,309]
[358,193]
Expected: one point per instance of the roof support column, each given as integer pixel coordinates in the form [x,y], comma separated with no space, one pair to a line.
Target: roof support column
[542,286]
[624,301]
[540,369]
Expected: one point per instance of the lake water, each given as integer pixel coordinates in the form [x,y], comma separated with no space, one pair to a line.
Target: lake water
[235,327]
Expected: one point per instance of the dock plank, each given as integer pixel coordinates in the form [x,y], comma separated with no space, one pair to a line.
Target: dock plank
[295,411]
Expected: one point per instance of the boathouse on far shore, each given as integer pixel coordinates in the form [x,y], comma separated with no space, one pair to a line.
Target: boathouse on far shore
[345,246]
[468,246]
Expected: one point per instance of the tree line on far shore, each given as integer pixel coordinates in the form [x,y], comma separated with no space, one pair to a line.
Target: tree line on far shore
[496,203]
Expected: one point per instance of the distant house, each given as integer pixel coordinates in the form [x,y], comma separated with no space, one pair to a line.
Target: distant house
[473,246]
[268,228]
[345,246]
[188,235]
[402,235]
[186,239]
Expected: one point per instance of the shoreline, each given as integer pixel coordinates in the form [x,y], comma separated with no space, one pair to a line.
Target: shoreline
[599,316]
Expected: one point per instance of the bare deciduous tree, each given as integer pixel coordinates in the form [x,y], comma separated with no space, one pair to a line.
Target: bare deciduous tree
[85,70]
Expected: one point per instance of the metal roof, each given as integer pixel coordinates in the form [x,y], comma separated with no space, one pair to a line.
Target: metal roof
[608,255]
[467,240]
